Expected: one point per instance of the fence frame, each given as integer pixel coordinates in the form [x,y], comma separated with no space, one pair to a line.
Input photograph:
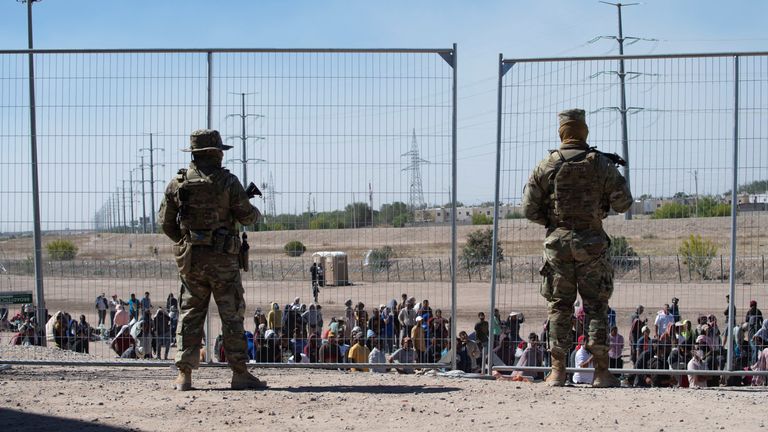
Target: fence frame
[505,65]
[449,55]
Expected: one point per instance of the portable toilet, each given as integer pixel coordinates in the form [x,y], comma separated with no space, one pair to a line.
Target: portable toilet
[335,268]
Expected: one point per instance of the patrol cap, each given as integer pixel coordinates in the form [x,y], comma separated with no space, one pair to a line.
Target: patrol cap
[574,114]
[205,139]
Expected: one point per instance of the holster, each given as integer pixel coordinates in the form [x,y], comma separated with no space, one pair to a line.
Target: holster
[242,258]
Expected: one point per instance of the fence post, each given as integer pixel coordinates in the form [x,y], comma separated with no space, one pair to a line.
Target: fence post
[397,266]
[469,273]
[373,274]
[282,275]
[640,267]
[440,268]
[722,275]
[362,271]
[423,270]
[272,266]
[388,265]
[532,270]
[413,271]
[763,267]
[679,272]
[650,269]
[511,270]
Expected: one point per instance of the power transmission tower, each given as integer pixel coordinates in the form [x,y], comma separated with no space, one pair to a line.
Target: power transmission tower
[416,193]
[622,74]
[268,189]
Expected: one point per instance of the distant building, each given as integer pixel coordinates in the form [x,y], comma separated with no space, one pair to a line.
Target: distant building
[440,215]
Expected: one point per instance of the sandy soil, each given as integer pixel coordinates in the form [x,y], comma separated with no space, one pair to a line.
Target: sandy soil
[141,399]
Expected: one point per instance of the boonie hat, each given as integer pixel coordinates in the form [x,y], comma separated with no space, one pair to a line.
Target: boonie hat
[205,139]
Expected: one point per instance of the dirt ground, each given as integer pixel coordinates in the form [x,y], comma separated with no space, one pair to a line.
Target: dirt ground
[142,399]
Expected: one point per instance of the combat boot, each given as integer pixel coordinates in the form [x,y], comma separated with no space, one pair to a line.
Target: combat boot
[557,376]
[243,380]
[184,379]
[603,378]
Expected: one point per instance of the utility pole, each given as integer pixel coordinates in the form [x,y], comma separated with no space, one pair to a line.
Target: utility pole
[151,149]
[130,194]
[143,199]
[695,174]
[370,201]
[244,137]
[128,223]
[622,74]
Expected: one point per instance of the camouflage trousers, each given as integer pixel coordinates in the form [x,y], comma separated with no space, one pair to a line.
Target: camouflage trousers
[214,274]
[575,263]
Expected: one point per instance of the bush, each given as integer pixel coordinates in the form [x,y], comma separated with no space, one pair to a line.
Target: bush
[481,219]
[672,211]
[621,254]
[399,221]
[513,215]
[61,250]
[479,247]
[380,259]
[294,248]
[697,254]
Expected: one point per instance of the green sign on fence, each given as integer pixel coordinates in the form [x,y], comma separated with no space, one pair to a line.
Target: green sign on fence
[19,297]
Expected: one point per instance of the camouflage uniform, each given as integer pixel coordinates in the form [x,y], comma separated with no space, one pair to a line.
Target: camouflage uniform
[199,212]
[570,192]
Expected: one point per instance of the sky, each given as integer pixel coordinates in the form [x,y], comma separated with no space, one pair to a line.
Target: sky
[481,29]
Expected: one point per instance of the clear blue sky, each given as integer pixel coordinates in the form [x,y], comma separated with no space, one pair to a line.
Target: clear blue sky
[482,30]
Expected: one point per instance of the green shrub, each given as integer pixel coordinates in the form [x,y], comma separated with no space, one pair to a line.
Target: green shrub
[513,215]
[399,221]
[381,259]
[481,219]
[294,248]
[479,247]
[621,254]
[672,211]
[61,250]
[697,254]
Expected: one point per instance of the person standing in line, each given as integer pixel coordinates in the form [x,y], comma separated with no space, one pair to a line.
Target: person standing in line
[146,303]
[201,208]
[113,303]
[569,193]
[315,285]
[102,306]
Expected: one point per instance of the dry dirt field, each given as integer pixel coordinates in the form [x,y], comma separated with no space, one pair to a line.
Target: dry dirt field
[141,399]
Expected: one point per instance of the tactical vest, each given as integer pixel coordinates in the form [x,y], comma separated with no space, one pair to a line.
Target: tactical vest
[575,191]
[203,206]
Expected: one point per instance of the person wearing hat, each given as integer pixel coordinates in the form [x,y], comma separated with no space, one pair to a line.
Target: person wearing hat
[201,208]
[569,192]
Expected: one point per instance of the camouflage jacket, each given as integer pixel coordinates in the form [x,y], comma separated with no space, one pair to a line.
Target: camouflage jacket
[609,187]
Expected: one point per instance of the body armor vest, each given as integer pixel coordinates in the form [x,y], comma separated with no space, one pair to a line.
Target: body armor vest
[203,206]
[576,192]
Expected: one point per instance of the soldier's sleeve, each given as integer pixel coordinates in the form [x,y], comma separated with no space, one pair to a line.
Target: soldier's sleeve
[169,210]
[534,199]
[618,195]
[241,207]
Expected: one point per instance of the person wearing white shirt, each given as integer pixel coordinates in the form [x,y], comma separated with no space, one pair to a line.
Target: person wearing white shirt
[583,360]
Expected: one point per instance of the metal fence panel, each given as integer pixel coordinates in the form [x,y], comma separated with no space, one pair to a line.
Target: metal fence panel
[344,144]
[681,129]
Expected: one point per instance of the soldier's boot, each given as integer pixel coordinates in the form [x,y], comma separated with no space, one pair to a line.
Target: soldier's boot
[603,378]
[243,380]
[184,379]
[557,375]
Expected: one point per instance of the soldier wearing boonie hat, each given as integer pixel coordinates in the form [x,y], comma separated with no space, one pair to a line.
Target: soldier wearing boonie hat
[199,212]
[570,192]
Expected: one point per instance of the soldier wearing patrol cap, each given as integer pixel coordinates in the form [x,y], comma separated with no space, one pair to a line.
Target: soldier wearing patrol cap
[199,212]
[570,192]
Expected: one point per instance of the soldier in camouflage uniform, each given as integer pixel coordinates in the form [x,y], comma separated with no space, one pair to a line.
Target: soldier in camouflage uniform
[570,192]
[199,211]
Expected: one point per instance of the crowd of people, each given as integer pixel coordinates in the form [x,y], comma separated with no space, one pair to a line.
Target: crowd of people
[408,331]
